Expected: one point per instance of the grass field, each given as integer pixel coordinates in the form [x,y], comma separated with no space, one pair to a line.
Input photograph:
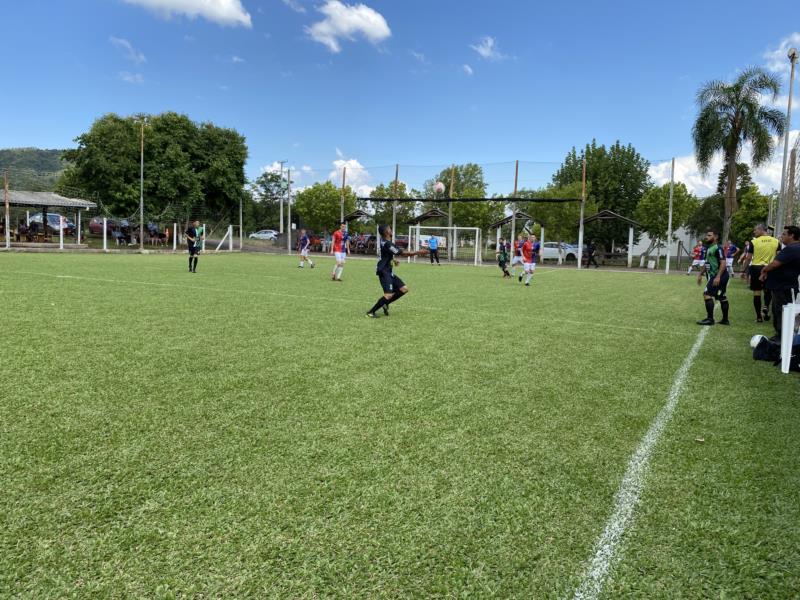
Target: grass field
[246,432]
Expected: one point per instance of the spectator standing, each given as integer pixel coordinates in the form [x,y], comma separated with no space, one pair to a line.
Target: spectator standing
[433,246]
[591,250]
[780,275]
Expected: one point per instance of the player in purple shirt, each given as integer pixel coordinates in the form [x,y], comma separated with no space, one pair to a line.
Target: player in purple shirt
[304,246]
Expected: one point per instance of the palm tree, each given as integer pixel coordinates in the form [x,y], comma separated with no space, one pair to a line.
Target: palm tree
[732,114]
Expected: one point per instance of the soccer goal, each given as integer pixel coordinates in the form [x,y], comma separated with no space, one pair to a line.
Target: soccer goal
[462,244]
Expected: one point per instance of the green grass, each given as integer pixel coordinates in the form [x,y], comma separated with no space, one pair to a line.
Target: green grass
[246,432]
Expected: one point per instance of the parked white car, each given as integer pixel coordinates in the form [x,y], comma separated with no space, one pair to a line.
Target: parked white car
[568,251]
[264,234]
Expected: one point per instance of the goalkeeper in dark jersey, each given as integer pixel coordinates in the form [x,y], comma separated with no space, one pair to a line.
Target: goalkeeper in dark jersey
[393,287]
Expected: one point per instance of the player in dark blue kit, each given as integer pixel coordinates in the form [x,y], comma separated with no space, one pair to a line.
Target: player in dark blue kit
[393,287]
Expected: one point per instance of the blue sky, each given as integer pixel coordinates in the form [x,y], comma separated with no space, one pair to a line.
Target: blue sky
[328,83]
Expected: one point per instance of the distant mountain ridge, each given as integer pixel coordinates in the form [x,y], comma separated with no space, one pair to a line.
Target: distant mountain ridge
[33,169]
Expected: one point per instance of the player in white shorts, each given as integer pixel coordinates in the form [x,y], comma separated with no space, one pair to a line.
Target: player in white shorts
[516,258]
[305,246]
[341,242]
[530,255]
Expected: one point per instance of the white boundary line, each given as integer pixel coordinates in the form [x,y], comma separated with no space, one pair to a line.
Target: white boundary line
[632,485]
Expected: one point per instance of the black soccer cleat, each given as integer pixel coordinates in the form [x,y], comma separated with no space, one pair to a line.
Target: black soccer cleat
[372,315]
[765,312]
[724,322]
[706,322]
[386,310]
[519,279]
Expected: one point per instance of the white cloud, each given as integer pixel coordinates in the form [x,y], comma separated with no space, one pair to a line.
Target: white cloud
[224,88]
[343,21]
[295,6]
[357,177]
[777,59]
[467,69]
[130,53]
[188,38]
[135,78]
[236,59]
[223,12]
[419,56]
[487,48]
[768,177]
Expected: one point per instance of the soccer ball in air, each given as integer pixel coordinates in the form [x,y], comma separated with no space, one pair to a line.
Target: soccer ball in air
[438,187]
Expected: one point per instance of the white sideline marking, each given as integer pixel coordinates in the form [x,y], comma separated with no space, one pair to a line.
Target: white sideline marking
[632,484]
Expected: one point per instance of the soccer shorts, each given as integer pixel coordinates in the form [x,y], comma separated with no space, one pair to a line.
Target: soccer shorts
[729,262]
[755,273]
[304,253]
[194,250]
[340,256]
[529,267]
[390,282]
[714,291]
[516,260]
[698,263]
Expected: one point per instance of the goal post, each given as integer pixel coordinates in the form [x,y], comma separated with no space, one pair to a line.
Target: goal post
[456,244]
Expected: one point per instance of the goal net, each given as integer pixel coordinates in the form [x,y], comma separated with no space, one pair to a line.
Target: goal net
[458,244]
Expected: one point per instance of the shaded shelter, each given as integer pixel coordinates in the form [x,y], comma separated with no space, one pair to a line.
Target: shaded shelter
[42,201]
[608,215]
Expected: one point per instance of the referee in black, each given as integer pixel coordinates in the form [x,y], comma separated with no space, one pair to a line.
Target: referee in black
[393,286]
[194,240]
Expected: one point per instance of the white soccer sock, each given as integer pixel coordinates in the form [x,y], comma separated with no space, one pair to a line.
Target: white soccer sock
[528,277]
[301,264]
[514,271]
[339,272]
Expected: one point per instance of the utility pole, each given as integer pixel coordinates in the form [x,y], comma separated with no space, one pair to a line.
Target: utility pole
[289,211]
[583,206]
[394,204]
[143,122]
[514,210]
[790,187]
[8,215]
[341,204]
[450,212]
[280,220]
[792,55]
[669,219]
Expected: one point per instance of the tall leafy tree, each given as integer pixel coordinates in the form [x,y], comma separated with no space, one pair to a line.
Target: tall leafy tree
[190,169]
[267,191]
[616,178]
[383,210]
[318,206]
[731,115]
[708,215]
[653,210]
[560,218]
[753,209]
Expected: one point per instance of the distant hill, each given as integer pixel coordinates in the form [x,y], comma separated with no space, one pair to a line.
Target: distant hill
[32,169]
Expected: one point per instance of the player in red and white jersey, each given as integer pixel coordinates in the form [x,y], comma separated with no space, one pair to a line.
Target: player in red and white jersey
[531,251]
[339,248]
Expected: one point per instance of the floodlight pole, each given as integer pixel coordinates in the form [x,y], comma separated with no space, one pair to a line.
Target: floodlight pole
[583,206]
[792,55]
[280,220]
[669,219]
[790,187]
